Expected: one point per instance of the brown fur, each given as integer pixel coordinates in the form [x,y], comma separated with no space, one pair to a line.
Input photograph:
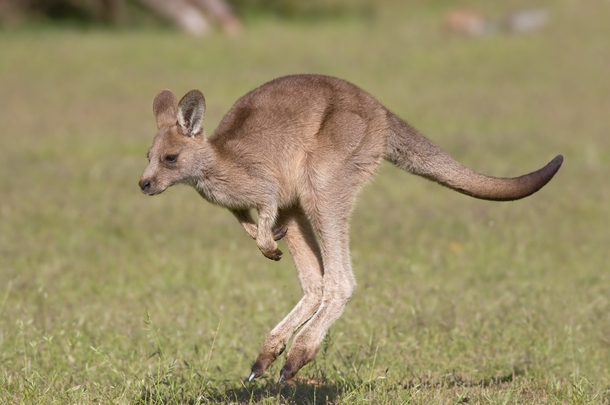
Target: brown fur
[298,150]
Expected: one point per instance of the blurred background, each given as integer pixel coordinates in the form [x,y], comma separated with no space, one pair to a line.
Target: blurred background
[455,295]
[194,16]
[198,17]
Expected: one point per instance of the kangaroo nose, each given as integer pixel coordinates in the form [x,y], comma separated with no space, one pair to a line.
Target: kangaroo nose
[144,185]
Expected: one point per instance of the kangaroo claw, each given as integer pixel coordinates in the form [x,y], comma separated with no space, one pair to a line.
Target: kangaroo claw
[282,379]
[252,377]
[279,233]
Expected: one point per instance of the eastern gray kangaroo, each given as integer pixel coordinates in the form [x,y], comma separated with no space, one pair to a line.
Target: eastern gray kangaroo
[298,150]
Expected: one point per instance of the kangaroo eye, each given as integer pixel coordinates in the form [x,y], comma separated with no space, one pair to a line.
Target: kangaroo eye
[171,158]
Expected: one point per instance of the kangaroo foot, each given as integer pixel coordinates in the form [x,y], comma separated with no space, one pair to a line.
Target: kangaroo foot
[296,359]
[289,370]
[260,366]
[264,360]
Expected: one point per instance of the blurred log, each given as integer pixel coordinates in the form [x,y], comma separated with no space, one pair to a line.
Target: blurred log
[191,15]
[222,12]
[182,13]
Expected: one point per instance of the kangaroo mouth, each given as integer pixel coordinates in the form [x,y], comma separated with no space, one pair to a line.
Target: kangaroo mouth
[151,193]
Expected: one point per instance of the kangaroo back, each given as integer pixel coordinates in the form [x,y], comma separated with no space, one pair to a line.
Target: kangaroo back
[414,153]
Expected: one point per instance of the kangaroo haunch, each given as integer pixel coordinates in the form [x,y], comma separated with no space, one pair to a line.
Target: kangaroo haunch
[298,150]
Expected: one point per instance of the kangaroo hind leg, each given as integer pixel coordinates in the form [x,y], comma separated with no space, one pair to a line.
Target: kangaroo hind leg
[301,242]
[339,283]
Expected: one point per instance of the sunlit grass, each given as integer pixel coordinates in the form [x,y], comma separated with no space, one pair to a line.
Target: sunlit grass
[107,296]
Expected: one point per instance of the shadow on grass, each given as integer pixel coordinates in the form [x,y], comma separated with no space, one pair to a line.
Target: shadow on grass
[298,391]
[304,390]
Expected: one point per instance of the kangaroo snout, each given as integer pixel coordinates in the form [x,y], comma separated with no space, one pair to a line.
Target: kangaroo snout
[145,186]
[151,186]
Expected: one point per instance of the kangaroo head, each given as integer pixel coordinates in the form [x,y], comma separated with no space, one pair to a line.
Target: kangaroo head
[174,156]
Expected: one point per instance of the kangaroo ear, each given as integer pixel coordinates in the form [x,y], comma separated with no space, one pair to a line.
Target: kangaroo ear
[164,108]
[190,113]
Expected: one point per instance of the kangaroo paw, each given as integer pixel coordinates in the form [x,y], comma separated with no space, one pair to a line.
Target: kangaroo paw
[279,233]
[273,255]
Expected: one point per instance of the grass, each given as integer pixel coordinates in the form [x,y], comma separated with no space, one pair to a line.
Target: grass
[110,297]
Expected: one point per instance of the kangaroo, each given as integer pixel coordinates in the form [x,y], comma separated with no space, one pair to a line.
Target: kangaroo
[298,149]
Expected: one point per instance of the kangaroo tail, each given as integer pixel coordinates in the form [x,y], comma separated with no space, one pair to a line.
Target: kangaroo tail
[414,153]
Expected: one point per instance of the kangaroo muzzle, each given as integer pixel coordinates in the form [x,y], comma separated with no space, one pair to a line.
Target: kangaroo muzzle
[145,186]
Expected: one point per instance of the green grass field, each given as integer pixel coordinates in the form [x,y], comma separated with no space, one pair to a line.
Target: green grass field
[108,296]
